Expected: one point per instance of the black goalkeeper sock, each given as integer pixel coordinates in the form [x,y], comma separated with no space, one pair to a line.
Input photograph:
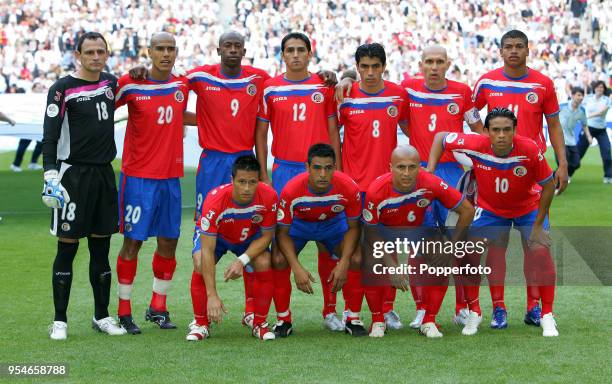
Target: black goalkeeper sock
[100,274]
[62,278]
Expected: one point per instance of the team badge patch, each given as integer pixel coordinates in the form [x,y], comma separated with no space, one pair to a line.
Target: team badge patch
[58,96]
[367,215]
[178,96]
[532,97]
[128,227]
[256,219]
[520,171]
[204,224]
[453,108]
[317,97]
[65,227]
[392,111]
[337,208]
[109,94]
[251,89]
[451,137]
[422,203]
[52,110]
[280,215]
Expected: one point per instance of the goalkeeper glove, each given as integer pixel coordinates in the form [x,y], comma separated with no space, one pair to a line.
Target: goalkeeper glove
[54,195]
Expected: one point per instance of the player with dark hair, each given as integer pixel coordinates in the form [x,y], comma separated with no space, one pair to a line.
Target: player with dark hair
[78,147]
[321,205]
[302,111]
[507,166]
[529,95]
[370,114]
[239,217]
[149,185]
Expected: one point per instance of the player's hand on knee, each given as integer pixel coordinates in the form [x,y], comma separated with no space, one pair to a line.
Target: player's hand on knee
[234,271]
[302,279]
[215,309]
[539,237]
[400,282]
[338,276]
[54,195]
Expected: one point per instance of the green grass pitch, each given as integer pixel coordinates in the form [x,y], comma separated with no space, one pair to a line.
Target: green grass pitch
[313,355]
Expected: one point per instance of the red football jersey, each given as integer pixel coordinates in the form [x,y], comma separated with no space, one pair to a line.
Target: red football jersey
[505,184]
[297,201]
[385,205]
[370,131]
[437,111]
[226,107]
[153,146]
[529,97]
[236,223]
[298,112]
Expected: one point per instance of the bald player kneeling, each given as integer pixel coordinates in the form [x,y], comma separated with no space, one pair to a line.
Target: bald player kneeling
[399,200]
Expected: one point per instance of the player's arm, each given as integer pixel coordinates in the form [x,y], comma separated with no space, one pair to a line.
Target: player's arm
[189,118]
[477,127]
[342,89]
[338,275]
[540,237]
[466,211]
[7,119]
[328,77]
[437,149]
[215,308]
[585,127]
[555,133]
[301,275]
[334,139]
[261,149]
[255,249]
[404,127]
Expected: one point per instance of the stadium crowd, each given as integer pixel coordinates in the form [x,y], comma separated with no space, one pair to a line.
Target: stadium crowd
[568,38]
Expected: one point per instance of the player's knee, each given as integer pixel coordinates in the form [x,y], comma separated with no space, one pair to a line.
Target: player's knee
[262,262]
[197,261]
[67,240]
[130,248]
[166,247]
[356,260]
[279,261]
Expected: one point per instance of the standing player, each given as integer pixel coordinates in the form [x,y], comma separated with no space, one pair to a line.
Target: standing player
[149,186]
[239,217]
[529,95]
[506,167]
[321,205]
[78,147]
[437,104]
[370,114]
[302,112]
[400,199]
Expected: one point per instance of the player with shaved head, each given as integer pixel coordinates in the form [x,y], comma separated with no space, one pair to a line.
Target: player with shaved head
[401,199]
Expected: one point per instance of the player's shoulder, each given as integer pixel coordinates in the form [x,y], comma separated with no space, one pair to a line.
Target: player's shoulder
[295,183]
[250,70]
[535,75]
[219,194]
[457,86]
[427,180]
[266,192]
[414,83]
[344,180]
[526,144]
[393,89]
[105,76]
[208,68]
[379,186]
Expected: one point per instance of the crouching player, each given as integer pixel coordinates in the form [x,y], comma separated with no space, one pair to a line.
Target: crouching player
[507,169]
[400,200]
[239,217]
[320,205]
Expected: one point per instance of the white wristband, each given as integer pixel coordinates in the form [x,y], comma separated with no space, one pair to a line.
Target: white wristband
[244,259]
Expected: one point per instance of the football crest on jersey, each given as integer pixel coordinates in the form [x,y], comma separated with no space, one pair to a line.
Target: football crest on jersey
[178,96]
[256,219]
[422,203]
[392,111]
[251,89]
[109,93]
[317,97]
[453,108]
[532,97]
[58,96]
[520,171]
[280,214]
[65,227]
[337,208]
[367,215]
[127,227]
[52,110]
[451,137]
[204,224]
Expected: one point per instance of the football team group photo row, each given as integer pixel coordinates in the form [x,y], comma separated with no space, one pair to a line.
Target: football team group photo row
[384,216]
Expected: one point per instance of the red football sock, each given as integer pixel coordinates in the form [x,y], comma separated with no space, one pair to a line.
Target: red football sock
[460,299]
[540,272]
[353,292]
[416,283]
[163,270]
[282,293]
[249,299]
[548,298]
[325,265]
[471,293]
[496,260]
[470,283]
[374,297]
[389,299]
[435,296]
[126,272]
[263,286]
[199,299]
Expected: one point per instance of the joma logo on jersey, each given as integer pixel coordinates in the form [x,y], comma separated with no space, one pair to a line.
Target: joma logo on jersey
[213,89]
[483,167]
[416,105]
[139,98]
[493,94]
[228,221]
[281,98]
[392,210]
[356,112]
[83,99]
